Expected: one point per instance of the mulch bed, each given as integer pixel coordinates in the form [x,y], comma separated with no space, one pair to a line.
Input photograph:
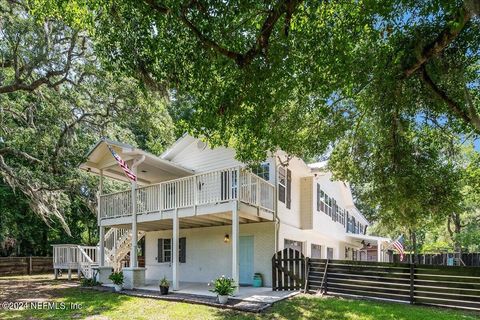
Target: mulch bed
[233,303]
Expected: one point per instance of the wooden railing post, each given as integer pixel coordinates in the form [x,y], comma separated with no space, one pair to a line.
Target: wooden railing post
[412,283]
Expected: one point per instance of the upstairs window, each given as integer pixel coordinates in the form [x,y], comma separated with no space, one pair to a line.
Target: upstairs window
[282,184]
[320,199]
[263,171]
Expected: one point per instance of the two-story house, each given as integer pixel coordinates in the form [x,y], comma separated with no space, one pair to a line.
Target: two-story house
[203,214]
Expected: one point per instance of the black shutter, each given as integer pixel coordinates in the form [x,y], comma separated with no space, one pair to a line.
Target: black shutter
[160,250]
[318,197]
[289,188]
[182,246]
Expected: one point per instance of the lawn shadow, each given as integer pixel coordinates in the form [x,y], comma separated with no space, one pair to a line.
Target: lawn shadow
[334,308]
[73,303]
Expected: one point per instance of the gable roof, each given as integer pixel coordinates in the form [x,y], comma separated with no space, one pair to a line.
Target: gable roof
[153,169]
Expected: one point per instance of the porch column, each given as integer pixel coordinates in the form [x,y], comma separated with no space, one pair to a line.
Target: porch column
[379,251]
[235,244]
[102,247]
[133,250]
[175,250]
[102,229]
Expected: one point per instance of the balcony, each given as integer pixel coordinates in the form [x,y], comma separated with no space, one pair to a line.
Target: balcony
[190,193]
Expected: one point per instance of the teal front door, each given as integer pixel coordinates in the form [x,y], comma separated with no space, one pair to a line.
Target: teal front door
[246,260]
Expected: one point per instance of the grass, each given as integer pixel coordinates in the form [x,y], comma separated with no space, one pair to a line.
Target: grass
[106,305]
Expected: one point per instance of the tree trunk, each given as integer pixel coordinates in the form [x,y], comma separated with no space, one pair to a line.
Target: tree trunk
[457,228]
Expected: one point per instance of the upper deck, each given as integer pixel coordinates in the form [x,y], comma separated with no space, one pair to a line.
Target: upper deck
[196,195]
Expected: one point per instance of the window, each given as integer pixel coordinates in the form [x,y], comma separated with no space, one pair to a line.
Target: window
[282,183]
[329,253]
[320,199]
[165,250]
[316,251]
[295,245]
[263,171]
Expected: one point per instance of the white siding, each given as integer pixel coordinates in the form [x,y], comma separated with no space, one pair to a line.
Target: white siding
[208,256]
[201,159]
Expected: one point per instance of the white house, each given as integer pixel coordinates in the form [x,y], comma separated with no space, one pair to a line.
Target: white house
[204,214]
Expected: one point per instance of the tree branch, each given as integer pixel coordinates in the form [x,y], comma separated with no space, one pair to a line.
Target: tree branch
[261,44]
[464,14]
[470,117]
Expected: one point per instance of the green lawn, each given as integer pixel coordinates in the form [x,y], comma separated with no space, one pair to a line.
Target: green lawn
[103,305]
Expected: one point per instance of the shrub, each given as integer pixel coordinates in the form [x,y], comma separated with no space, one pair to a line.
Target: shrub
[89,282]
[223,286]
[117,278]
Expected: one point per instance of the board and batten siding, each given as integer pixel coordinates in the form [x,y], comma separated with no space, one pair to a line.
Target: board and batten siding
[208,256]
[306,203]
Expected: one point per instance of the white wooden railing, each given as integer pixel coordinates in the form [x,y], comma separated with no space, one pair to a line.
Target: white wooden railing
[71,256]
[200,189]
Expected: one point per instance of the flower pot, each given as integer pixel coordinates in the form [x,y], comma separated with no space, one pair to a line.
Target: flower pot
[222,299]
[163,290]
[118,287]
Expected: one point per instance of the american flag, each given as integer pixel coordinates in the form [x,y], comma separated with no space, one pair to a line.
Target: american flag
[123,164]
[397,244]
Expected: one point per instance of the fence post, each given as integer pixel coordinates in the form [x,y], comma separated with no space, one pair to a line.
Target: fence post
[412,283]
[30,265]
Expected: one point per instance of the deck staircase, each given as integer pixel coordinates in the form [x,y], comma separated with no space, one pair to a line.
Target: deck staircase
[117,245]
[85,258]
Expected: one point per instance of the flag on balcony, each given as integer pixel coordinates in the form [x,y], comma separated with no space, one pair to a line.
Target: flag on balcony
[129,173]
[398,246]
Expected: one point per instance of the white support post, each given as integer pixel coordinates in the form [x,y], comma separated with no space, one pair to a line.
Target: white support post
[102,246]
[235,245]
[133,250]
[175,250]
[102,229]
[379,251]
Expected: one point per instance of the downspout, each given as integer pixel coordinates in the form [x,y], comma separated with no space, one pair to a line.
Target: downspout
[275,215]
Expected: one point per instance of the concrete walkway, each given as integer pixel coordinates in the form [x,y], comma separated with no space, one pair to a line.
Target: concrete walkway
[248,299]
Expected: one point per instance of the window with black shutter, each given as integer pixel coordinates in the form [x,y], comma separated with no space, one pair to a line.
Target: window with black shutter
[289,189]
[164,250]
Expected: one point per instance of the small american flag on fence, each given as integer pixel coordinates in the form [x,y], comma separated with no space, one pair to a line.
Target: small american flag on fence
[129,173]
[397,244]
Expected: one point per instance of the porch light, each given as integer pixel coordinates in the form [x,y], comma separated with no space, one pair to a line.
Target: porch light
[227,238]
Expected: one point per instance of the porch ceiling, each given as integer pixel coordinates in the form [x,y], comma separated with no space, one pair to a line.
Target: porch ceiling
[152,170]
[201,221]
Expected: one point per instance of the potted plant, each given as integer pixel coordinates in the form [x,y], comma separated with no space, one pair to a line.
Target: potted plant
[223,287]
[164,285]
[117,279]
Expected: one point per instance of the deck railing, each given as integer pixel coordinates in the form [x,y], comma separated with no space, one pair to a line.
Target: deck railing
[70,256]
[200,189]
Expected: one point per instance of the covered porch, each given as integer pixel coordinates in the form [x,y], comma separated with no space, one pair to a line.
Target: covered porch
[372,248]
